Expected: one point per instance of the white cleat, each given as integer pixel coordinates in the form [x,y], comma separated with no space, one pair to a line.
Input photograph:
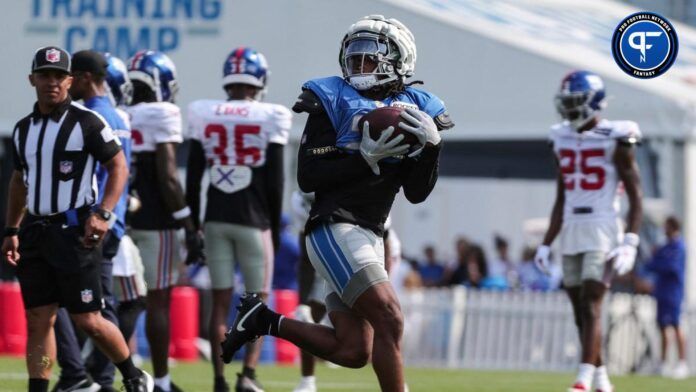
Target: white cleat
[306,385]
[681,371]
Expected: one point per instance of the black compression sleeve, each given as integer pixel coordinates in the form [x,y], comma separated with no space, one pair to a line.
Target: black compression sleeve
[195,167]
[419,175]
[320,165]
[274,188]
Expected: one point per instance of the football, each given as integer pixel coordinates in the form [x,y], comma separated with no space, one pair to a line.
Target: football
[383,118]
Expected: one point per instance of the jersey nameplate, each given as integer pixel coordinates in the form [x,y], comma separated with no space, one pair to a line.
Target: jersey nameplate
[230,178]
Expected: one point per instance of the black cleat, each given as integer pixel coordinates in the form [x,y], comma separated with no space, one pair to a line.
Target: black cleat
[247,384]
[221,385]
[142,383]
[246,326]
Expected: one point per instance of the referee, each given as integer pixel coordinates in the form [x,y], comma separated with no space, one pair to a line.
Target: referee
[57,250]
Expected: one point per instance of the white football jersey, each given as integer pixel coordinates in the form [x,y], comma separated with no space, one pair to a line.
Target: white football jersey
[586,161]
[153,123]
[237,133]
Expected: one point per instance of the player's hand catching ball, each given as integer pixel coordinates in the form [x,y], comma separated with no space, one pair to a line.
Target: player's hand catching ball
[421,125]
[375,150]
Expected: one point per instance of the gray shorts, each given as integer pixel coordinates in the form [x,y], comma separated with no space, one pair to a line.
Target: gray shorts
[159,250]
[583,266]
[252,248]
[349,258]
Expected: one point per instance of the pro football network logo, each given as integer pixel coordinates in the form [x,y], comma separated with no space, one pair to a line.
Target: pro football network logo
[645,45]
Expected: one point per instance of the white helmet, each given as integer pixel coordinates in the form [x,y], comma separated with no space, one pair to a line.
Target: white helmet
[386,44]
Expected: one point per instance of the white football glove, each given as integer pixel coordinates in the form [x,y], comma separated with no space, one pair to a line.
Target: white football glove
[422,126]
[624,255]
[542,259]
[375,150]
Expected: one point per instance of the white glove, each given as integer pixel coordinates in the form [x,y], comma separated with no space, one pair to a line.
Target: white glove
[422,126]
[541,259]
[624,255]
[375,150]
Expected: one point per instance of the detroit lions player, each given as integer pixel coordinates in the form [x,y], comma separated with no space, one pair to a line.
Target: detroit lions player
[156,130]
[355,179]
[594,155]
[129,283]
[240,140]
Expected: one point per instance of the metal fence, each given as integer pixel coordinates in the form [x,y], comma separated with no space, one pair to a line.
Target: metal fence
[460,328]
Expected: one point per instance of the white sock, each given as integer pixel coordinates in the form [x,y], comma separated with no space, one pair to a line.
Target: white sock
[309,380]
[585,374]
[165,383]
[601,379]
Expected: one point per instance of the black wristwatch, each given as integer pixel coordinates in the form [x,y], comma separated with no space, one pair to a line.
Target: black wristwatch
[10,232]
[105,215]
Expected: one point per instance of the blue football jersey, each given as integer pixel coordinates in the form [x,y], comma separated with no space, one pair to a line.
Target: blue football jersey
[344,106]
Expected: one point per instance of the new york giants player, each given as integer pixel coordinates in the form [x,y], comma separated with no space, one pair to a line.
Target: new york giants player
[594,156]
[355,179]
[156,130]
[240,141]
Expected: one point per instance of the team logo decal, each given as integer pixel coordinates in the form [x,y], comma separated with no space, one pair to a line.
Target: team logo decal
[645,45]
[86,296]
[53,55]
[66,167]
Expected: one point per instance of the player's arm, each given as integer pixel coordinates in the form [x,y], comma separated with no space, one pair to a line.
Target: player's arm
[320,165]
[627,169]
[16,202]
[420,174]
[275,178]
[556,221]
[543,253]
[168,183]
[195,168]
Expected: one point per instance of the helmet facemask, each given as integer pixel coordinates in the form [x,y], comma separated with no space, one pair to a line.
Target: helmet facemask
[575,107]
[369,60]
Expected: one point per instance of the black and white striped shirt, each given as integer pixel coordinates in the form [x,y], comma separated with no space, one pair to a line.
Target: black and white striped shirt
[58,154]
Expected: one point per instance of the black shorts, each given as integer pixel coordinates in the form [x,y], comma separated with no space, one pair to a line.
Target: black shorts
[54,267]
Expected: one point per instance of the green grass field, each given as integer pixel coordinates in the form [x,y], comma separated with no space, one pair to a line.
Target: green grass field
[197,377]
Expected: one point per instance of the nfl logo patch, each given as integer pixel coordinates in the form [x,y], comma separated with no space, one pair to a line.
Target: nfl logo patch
[53,55]
[86,296]
[66,167]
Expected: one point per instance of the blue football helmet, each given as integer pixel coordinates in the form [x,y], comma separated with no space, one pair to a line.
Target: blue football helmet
[157,71]
[117,82]
[245,66]
[580,98]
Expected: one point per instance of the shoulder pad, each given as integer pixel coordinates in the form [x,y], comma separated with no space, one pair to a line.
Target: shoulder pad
[443,121]
[308,102]
[627,132]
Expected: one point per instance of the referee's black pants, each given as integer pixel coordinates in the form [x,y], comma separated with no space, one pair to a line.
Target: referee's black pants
[101,369]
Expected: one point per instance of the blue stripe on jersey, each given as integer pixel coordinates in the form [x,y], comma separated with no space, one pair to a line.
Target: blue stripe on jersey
[322,258]
[333,257]
[338,252]
[102,105]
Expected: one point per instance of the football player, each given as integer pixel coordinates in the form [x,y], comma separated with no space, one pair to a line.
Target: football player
[129,283]
[594,156]
[156,131]
[240,141]
[355,179]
